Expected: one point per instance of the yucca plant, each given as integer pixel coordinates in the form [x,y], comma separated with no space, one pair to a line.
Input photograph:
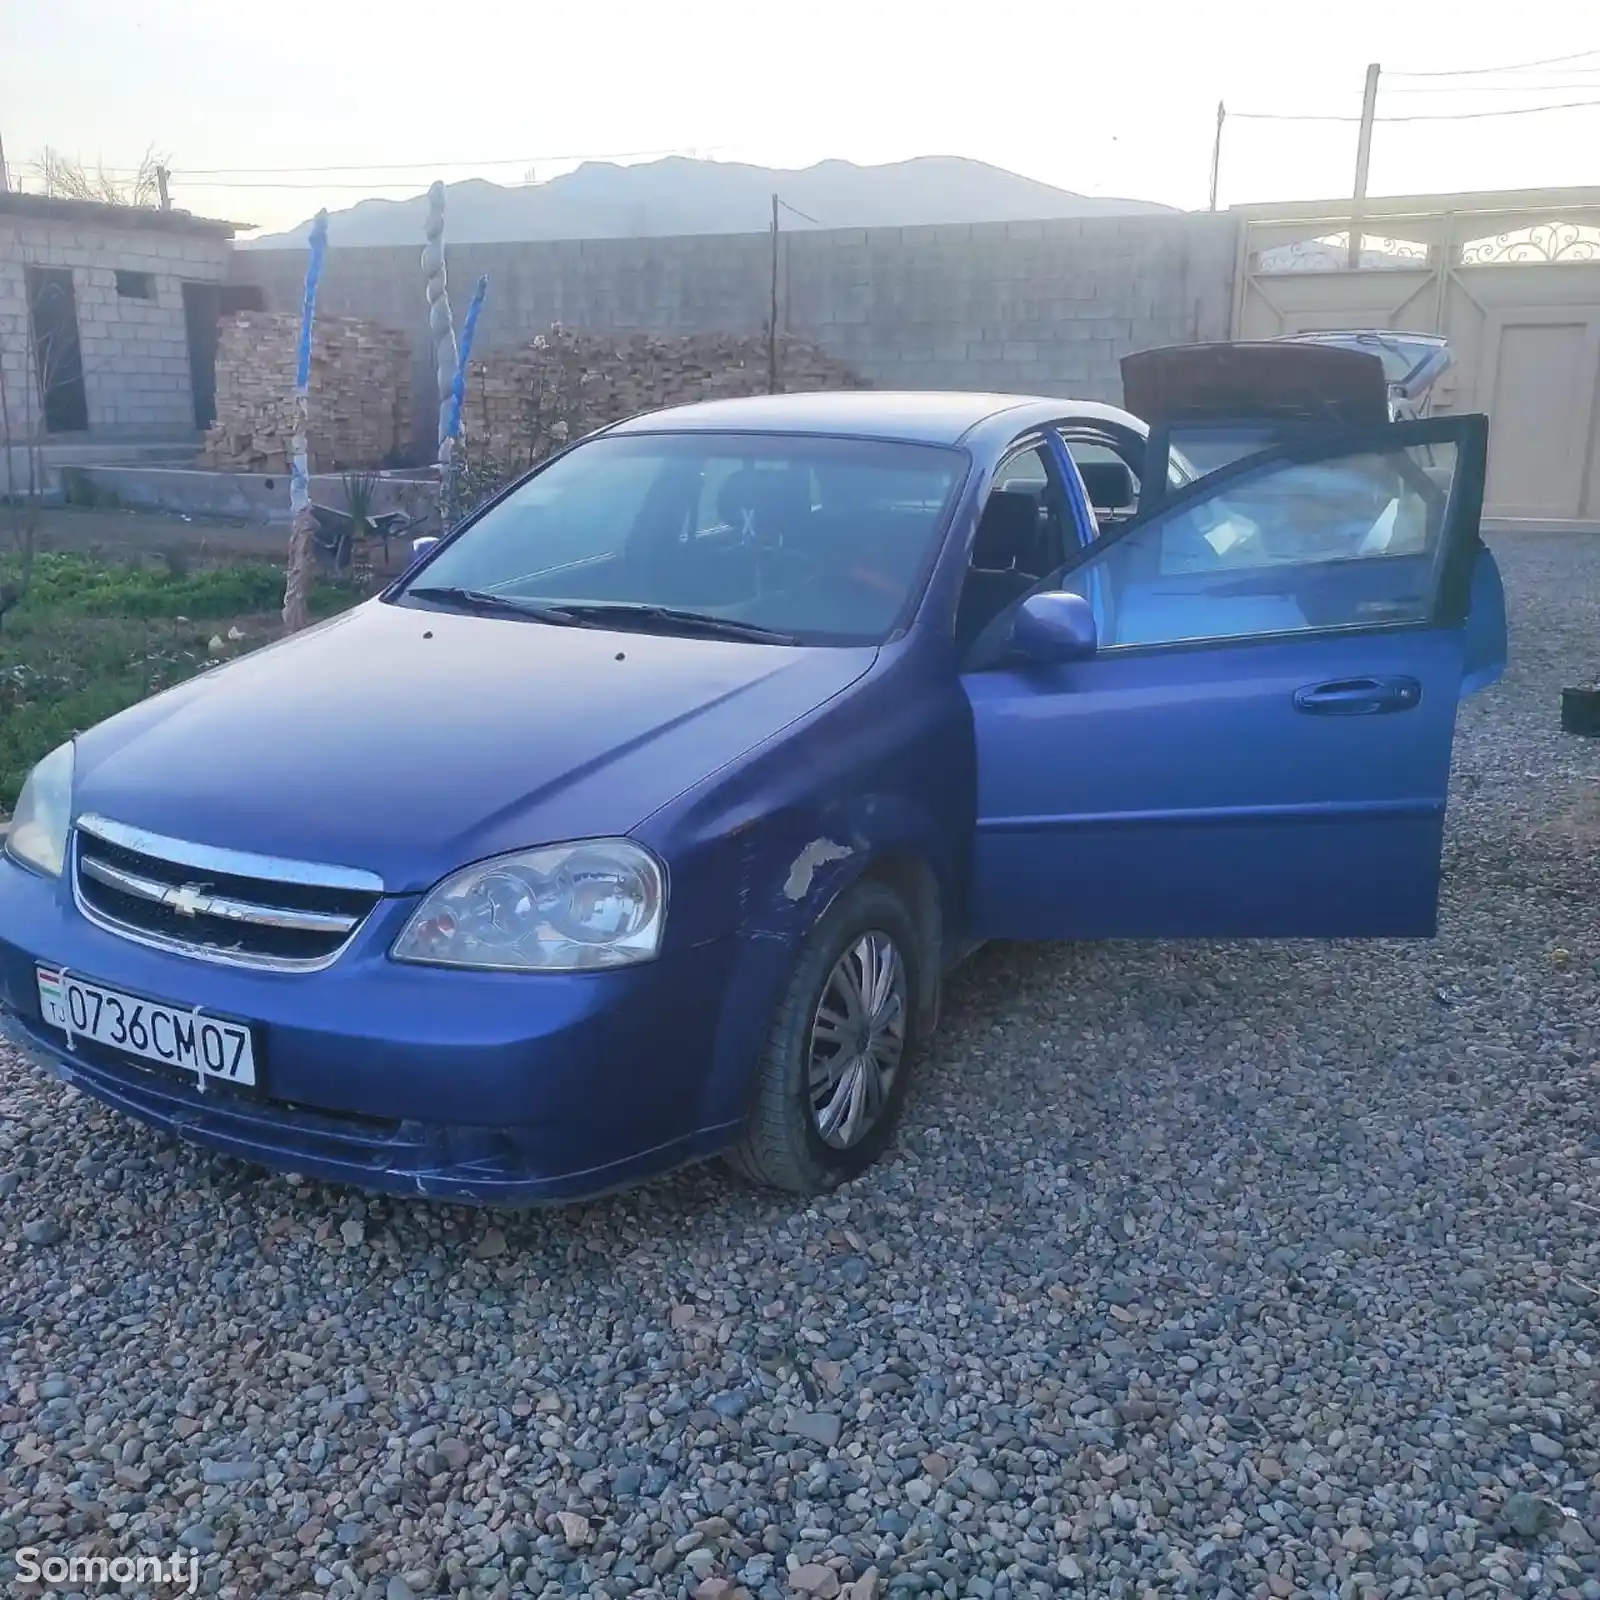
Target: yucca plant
[360,490]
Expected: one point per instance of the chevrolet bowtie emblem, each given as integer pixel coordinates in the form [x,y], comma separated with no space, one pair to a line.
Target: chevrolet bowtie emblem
[188,901]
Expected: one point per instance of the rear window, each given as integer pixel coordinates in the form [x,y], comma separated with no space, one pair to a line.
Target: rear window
[1207,446]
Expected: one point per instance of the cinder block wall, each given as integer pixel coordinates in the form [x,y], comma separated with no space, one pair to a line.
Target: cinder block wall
[135,352]
[1036,307]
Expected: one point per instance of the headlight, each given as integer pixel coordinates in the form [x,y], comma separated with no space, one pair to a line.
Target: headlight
[39,826]
[563,908]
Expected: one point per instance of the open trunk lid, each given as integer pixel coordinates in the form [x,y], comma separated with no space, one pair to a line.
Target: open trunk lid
[1412,362]
[1279,382]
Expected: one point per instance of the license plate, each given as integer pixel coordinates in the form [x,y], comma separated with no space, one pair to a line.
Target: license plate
[189,1041]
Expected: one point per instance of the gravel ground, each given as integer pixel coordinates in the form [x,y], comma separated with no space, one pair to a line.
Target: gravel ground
[1251,1271]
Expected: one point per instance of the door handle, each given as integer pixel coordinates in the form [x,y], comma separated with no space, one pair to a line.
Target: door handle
[1358,697]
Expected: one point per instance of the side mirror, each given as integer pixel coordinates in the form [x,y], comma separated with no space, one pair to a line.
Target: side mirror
[1054,627]
[419,548]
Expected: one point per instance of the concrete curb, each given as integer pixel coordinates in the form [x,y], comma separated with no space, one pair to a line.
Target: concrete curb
[242,496]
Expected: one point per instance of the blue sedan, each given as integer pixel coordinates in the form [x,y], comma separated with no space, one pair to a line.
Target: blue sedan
[641,819]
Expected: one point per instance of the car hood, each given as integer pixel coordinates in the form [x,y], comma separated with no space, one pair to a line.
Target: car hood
[1278,381]
[409,742]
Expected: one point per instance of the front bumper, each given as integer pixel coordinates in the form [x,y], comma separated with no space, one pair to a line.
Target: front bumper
[411,1080]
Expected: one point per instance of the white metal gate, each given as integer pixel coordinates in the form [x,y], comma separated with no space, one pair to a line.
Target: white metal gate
[1512,280]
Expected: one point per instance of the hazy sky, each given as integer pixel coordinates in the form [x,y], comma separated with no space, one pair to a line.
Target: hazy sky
[1105,99]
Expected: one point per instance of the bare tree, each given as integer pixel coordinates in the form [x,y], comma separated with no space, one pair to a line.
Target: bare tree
[21,434]
[39,363]
[59,174]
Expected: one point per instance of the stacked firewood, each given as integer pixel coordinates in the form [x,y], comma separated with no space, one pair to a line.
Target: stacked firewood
[520,403]
[359,397]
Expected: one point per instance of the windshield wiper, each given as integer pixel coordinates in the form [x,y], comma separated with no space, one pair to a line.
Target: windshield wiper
[505,604]
[601,614]
[670,619]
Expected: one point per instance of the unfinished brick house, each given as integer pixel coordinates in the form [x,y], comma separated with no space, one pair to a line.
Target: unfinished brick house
[108,319]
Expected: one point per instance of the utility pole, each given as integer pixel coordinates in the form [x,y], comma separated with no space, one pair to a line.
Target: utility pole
[1216,152]
[1369,107]
[5,181]
[162,175]
[772,315]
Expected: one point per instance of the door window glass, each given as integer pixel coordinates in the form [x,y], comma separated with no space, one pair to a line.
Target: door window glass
[1029,475]
[1109,481]
[1018,540]
[1026,472]
[1349,542]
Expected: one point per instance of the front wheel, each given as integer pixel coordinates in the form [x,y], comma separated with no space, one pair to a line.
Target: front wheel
[832,1077]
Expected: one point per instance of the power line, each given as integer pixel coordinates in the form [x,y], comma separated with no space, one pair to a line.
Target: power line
[1484,72]
[1474,116]
[1369,117]
[798,212]
[1498,88]
[1420,116]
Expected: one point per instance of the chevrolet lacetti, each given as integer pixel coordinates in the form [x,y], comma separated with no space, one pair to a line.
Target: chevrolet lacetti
[640,818]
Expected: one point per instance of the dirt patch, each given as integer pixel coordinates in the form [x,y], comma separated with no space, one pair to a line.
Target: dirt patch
[1578,817]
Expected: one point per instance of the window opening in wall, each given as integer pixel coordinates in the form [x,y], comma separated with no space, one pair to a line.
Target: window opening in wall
[135,285]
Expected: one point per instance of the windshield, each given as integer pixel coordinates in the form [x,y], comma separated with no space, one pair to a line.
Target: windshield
[1397,363]
[822,541]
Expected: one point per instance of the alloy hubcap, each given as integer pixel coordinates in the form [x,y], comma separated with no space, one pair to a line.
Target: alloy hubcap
[857,1038]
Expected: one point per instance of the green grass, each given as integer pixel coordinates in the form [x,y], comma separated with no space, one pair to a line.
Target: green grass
[93,637]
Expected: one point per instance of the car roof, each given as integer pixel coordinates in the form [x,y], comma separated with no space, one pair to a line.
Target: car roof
[915,417]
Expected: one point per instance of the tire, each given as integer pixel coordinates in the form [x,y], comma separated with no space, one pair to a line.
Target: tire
[801,1136]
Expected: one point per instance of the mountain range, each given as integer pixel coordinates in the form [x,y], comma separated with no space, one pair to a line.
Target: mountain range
[681,195]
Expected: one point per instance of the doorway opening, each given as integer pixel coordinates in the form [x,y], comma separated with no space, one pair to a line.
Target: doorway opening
[203,303]
[57,353]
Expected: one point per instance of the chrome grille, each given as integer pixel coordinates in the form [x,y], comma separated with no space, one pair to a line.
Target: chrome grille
[217,905]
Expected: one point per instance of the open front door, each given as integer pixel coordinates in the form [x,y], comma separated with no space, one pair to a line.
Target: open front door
[1260,743]
[1210,406]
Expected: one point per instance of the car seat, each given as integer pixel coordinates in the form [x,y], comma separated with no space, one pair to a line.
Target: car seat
[1006,551]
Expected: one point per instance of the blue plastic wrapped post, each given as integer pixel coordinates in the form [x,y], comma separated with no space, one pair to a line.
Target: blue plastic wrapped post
[442,333]
[297,586]
[458,389]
